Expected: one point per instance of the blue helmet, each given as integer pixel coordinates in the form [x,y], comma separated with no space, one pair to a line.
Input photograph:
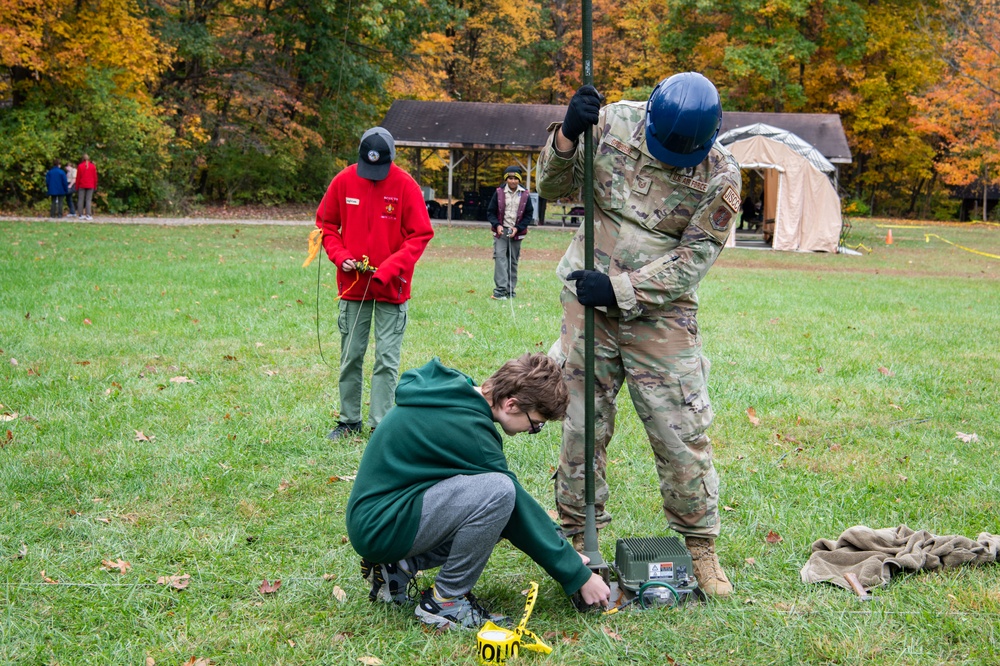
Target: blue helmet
[683,116]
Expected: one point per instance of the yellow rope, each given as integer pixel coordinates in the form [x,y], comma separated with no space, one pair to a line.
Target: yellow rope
[315,243]
[927,239]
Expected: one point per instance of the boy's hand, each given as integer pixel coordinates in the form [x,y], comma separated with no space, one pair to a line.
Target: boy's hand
[595,590]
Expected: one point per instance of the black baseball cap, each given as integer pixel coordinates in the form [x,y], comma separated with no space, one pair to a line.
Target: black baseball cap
[377,151]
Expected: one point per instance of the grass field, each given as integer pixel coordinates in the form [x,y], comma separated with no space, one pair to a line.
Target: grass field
[164,403]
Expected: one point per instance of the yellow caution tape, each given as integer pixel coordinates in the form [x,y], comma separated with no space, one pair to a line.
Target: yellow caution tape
[315,243]
[927,239]
[495,645]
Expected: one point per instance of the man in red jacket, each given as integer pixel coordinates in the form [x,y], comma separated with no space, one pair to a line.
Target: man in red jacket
[86,184]
[375,227]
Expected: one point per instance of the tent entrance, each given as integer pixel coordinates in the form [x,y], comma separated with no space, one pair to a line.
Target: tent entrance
[761,187]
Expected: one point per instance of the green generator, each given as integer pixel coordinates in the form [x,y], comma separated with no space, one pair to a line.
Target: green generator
[656,569]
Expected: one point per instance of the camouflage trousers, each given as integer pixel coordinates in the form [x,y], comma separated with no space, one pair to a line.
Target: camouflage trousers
[661,361]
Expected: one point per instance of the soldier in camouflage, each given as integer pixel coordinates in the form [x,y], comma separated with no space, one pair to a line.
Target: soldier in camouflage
[665,196]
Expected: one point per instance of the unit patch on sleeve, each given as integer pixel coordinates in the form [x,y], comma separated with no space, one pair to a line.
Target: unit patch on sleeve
[720,218]
[732,198]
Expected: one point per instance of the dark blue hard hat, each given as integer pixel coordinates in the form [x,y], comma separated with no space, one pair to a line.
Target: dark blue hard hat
[683,116]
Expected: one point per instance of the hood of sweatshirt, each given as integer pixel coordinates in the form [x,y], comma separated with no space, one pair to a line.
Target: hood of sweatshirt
[436,385]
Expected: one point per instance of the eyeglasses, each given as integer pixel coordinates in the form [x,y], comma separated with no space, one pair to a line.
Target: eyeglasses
[533,427]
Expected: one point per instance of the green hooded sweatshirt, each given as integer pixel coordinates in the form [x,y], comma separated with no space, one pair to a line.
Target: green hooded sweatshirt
[442,427]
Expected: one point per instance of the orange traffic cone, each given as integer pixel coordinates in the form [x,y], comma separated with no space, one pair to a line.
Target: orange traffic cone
[888,238]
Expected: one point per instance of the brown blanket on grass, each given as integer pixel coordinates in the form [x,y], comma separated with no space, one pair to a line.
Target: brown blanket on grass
[876,555]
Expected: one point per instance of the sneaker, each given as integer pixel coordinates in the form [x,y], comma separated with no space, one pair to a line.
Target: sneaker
[711,578]
[390,583]
[458,612]
[344,430]
[498,298]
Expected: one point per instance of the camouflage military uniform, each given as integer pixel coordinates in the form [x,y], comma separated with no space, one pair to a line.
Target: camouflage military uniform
[657,231]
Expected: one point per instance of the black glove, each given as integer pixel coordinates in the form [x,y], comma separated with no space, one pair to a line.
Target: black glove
[593,288]
[582,112]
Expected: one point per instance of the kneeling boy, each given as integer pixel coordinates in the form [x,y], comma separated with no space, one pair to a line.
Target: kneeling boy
[433,489]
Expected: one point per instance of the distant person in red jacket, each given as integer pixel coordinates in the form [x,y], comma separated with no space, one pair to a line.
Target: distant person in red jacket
[86,183]
[375,227]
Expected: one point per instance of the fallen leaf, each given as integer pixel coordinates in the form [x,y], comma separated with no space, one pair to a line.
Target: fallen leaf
[773,537]
[344,539]
[334,479]
[83,362]
[728,508]
[229,357]
[902,478]
[47,579]
[887,372]
[284,485]
[121,566]
[198,661]
[774,321]
[752,415]
[342,636]
[291,643]
[820,369]
[7,440]
[370,661]
[269,588]
[462,331]
[21,554]
[750,561]
[329,577]
[140,436]
[12,416]
[835,447]
[106,521]
[270,373]
[87,322]
[553,514]
[612,634]
[176,582]
[13,361]
[895,406]
[339,594]
[181,379]
[150,661]
[967,437]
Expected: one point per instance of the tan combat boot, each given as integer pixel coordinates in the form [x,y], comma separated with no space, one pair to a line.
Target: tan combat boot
[578,542]
[711,578]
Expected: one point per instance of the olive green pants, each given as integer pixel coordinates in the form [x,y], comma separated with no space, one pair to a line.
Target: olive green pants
[355,324]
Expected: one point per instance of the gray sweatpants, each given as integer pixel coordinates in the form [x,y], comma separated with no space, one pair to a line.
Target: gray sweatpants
[461,522]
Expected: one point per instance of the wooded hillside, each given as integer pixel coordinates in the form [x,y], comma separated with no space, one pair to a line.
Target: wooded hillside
[263,101]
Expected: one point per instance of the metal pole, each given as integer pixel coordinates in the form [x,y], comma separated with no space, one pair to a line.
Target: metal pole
[590,521]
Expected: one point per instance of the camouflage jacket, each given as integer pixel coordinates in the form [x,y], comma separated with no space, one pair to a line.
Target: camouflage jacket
[657,229]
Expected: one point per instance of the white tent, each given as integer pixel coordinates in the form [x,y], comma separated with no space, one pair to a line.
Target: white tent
[800,192]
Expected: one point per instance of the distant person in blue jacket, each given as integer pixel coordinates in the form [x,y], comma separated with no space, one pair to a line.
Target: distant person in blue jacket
[55,181]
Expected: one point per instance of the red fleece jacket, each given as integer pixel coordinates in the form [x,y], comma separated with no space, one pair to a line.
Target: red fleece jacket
[86,176]
[384,220]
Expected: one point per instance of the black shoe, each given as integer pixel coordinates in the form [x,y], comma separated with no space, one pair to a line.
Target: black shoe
[463,612]
[344,430]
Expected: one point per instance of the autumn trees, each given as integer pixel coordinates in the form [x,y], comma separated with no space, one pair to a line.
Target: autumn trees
[263,100]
